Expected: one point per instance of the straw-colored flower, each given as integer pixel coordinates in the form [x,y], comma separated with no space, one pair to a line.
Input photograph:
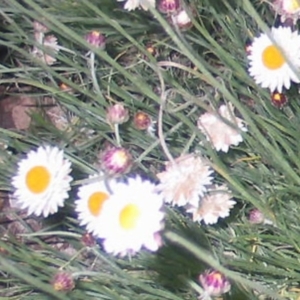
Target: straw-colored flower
[134,4]
[185,180]
[287,9]
[42,181]
[274,65]
[132,218]
[220,134]
[91,198]
[50,43]
[216,204]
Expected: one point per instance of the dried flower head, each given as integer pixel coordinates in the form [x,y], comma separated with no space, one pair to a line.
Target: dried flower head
[117,114]
[287,9]
[63,281]
[214,284]
[216,204]
[50,43]
[220,134]
[116,160]
[279,100]
[88,240]
[185,180]
[181,20]
[96,39]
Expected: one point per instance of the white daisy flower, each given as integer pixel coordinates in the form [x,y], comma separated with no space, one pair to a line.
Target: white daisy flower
[184,181]
[134,4]
[287,9]
[91,198]
[42,181]
[270,64]
[214,205]
[220,134]
[132,218]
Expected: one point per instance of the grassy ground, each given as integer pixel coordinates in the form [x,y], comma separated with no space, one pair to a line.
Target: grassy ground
[204,65]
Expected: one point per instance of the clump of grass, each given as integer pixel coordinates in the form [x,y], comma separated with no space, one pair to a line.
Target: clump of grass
[203,66]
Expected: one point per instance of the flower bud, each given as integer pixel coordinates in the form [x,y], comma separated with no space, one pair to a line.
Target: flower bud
[117,114]
[168,6]
[116,160]
[214,283]
[96,39]
[63,281]
[142,121]
[279,100]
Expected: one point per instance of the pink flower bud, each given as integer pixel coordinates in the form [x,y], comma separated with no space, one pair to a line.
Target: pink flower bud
[96,39]
[117,114]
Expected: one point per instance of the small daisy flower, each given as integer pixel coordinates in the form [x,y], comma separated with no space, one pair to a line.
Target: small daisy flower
[42,181]
[216,204]
[270,63]
[91,198]
[287,9]
[117,114]
[184,181]
[132,218]
[134,4]
[220,134]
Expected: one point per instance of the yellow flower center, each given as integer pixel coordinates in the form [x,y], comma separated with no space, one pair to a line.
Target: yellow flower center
[38,179]
[96,201]
[272,58]
[129,216]
[290,6]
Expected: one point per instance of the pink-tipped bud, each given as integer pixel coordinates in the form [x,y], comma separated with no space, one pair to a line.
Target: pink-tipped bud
[257,217]
[63,281]
[116,160]
[117,114]
[96,39]
[168,6]
[214,283]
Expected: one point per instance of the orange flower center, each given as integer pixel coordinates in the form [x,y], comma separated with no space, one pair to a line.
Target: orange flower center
[272,58]
[38,179]
[95,202]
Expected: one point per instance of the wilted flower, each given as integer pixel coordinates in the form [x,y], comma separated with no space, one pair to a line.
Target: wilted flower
[185,180]
[63,281]
[216,204]
[181,20]
[96,39]
[214,284]
[134,4]
[116,160]
[287,9]
[117,114]
[279,100]
[50,43]
[221,135]
[168,6]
